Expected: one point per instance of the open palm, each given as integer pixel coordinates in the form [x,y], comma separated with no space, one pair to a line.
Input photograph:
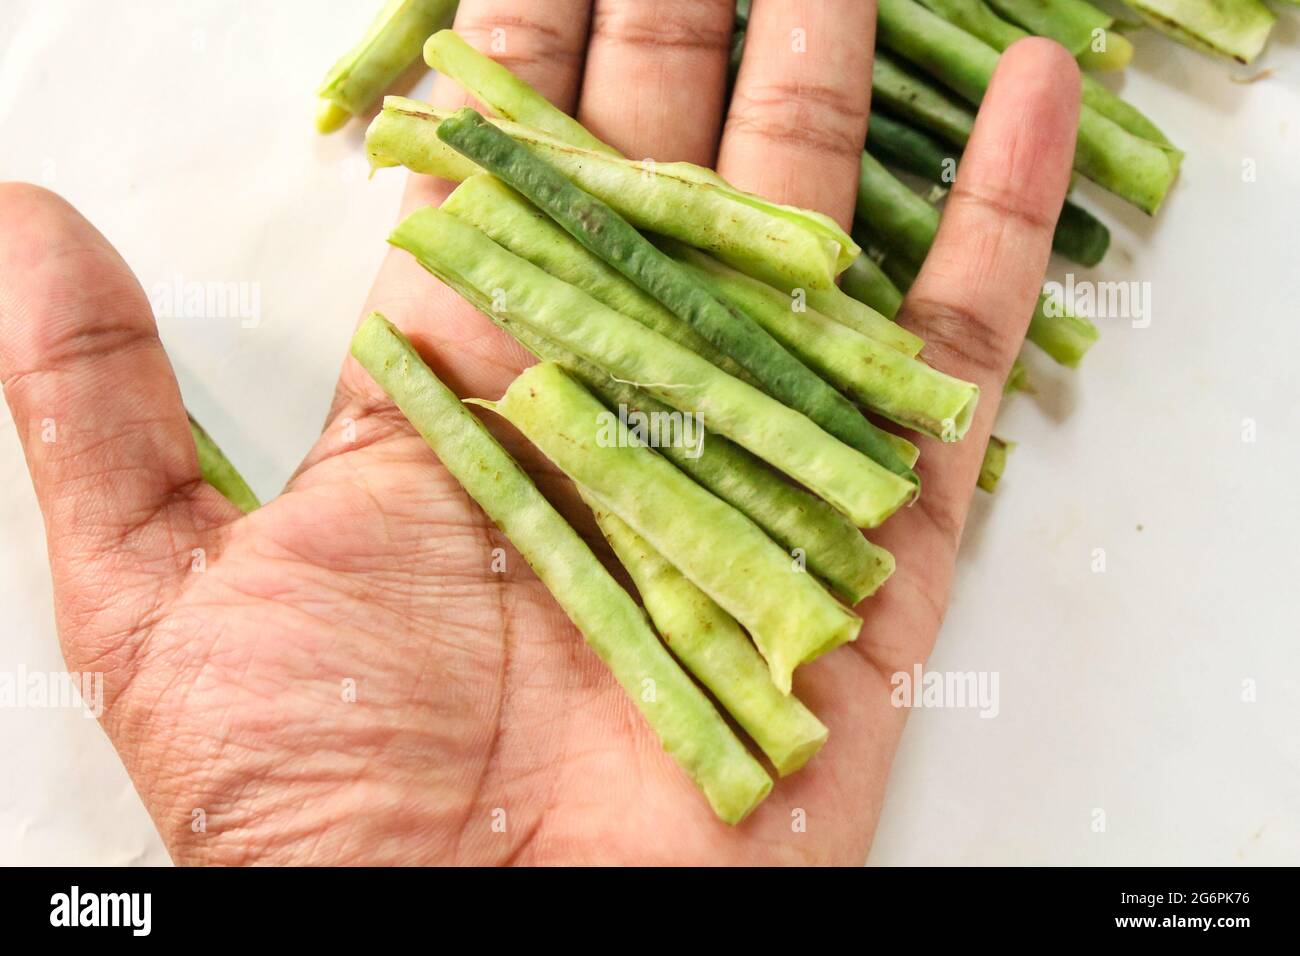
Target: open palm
[347,674]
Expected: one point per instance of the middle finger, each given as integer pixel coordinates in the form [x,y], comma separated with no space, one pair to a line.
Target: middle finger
[798,116]
[656,77]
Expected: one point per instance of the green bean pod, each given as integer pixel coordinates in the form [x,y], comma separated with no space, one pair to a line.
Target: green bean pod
[980,21]
[780,244]
[504,93]
[219,472]
[1079,235]
[994,463]
[800,522]
[1235,29]
[1133,168]
[915,98]
[390,45]
[713,647]
[904,390]
[864,281]
[687,724]
[606,234]
[791,618]
[514,223]
[499,282]
[1077,25]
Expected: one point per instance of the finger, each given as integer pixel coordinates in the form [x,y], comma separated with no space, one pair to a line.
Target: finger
[543,42]
[973,299]
[798,116]
[656,77]
[94,401]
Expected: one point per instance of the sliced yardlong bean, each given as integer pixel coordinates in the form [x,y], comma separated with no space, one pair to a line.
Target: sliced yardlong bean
[712,646]
[610,237]
[514,223]
[495,280]
[1079,235]
[1236,29]
[1133,168]
[895,213]
[980,21]
[799,521]
[865,306]
[1077,25]
[504,93]
[916,98]
[994,463]
[896,144]
[835,550]
[1061,334]
[728,557]
[219,472]
[512,98]
[389,46]
[906,225]
[904,390]
[865,282]
[780,244]
[687,724]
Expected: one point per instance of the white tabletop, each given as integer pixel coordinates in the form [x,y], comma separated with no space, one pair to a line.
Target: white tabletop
[183,131]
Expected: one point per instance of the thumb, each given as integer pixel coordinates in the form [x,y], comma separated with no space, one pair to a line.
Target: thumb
[98,411]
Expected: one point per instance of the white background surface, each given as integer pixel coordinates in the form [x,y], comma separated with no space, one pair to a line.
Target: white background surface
[183,131]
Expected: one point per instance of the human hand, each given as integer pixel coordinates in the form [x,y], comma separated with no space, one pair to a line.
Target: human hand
[223,689]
